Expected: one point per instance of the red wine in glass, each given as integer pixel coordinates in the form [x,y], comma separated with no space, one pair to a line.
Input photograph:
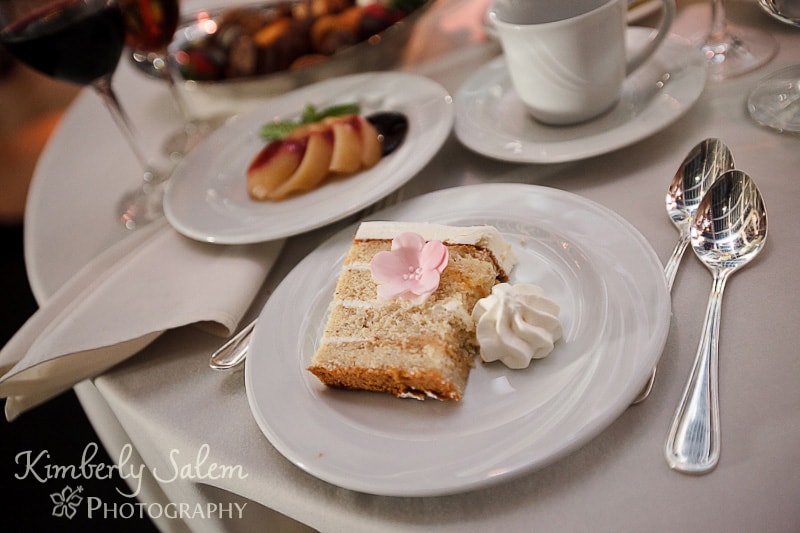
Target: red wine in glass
[150,24]
[81,41]
[58,39]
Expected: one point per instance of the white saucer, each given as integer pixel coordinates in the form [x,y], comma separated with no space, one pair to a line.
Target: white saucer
[491,120]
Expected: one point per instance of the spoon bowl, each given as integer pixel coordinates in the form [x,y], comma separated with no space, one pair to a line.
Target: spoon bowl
[730,226]
[729,230]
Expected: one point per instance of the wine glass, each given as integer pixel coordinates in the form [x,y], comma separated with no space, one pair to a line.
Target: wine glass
[733,50]
[775,101]
[150,27]
[81,41]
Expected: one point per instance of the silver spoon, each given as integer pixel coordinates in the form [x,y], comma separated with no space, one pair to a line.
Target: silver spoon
[702,166]
[234,351]
[729,230]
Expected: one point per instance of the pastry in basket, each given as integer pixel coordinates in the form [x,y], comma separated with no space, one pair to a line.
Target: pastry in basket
[278,36]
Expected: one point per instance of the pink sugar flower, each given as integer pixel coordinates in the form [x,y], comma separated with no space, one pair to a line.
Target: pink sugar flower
[411,269]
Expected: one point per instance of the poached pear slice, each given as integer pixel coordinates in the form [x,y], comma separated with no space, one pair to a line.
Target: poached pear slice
[347,145]
[273,166]
[371,151]
[313,169]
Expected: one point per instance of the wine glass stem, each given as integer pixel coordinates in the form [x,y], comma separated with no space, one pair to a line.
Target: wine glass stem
[167,71]
[718,20]
[106,92]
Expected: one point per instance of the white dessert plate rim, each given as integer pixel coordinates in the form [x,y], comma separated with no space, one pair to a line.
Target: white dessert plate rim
[206,198]
[492,121]
[615,308]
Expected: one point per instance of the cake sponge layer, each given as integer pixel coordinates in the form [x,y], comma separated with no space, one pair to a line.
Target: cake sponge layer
[404,348]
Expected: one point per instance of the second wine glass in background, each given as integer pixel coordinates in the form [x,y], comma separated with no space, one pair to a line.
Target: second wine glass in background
[775,101]
[732,50]
[150,27]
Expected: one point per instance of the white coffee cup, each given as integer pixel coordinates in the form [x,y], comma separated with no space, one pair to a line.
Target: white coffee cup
[567,58]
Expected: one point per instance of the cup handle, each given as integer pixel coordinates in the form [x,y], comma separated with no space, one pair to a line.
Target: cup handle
[657,36]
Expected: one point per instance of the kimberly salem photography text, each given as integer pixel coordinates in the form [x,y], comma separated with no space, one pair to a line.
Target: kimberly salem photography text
[65,480]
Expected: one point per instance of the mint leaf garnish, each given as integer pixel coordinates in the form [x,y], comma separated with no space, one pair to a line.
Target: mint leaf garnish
[272,131]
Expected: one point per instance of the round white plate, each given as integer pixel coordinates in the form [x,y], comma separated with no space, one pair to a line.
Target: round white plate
[492,120]
[207,197]
[615,310]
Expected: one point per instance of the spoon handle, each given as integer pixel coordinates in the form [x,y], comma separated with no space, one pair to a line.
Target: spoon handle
[234,351]
[693,443]
[669,272]
[675,259]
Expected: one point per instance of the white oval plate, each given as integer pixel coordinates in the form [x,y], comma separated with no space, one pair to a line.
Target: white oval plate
[491,119]
[615,310]
[207,199]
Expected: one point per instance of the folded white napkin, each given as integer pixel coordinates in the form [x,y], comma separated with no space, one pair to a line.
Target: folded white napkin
[151,281]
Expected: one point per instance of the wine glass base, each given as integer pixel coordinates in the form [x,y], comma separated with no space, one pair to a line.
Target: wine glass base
[142,206]
[738,51]
[183,141]
[775,101]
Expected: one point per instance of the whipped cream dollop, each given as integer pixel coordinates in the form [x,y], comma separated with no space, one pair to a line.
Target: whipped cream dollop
[516,323]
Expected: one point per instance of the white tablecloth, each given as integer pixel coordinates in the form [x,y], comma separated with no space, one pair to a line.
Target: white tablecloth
[169,406]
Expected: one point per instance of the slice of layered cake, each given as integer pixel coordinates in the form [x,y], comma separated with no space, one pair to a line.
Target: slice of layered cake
[400,320]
